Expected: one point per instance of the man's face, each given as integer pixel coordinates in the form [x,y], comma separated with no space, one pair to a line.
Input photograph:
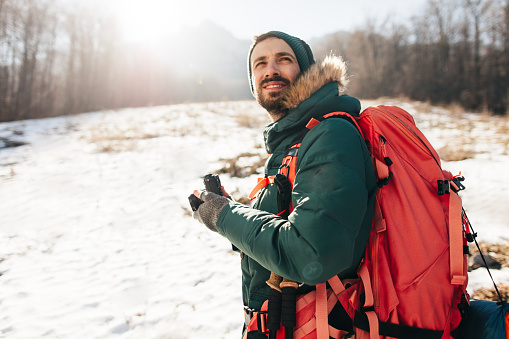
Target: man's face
[274,67]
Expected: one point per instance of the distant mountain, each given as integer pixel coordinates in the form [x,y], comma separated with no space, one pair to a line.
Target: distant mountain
[213,57]
[208,49]
[209,55]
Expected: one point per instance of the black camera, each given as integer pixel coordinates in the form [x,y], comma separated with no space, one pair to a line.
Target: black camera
[212,184]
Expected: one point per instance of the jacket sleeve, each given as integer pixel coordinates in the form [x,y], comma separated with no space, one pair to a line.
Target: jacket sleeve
[331,201]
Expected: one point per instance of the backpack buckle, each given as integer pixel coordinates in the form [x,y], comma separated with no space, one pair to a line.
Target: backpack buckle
[458,186]
[284,169]
[443,187]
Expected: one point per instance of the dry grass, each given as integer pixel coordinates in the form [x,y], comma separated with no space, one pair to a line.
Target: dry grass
[243,165]
[131,134]
[119,142]
[115,146]
[110,139]
[464,135]
[251,120]
[499,252]
[244,200]
[455,109]
[246,120]
[456,152]
[490,293]
[5,173]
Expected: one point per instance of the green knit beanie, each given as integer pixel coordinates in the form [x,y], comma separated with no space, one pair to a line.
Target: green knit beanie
[300,48]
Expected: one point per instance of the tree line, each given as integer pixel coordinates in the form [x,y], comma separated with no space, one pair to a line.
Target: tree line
[58,59]
[455,51]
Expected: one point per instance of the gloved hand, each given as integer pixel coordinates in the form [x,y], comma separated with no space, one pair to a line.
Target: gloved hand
[209,210]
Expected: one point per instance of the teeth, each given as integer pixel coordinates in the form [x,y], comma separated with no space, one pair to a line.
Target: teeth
[274,86]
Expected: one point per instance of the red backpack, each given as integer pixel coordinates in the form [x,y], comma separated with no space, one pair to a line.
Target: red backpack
[412,280]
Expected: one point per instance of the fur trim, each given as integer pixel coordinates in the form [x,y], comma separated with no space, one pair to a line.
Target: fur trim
[333,68]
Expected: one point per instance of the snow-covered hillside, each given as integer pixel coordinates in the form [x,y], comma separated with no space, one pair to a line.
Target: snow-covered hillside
[97,240]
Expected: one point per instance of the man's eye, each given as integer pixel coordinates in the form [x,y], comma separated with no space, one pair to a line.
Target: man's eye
[259,64]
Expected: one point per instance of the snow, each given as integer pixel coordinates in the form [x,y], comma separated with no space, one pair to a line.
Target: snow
[96,236]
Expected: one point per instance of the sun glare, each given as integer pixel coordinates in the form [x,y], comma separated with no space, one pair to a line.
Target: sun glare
[149,22]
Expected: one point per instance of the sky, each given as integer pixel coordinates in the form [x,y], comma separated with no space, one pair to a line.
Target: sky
[151,19]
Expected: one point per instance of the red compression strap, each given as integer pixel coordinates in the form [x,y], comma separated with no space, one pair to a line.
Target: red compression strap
[321,314]
[456,239]
[369,301]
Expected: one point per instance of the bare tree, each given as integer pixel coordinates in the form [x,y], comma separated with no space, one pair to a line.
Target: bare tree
[473,7]
[61,59]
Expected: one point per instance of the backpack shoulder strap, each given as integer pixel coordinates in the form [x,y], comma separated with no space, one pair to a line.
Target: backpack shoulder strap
[288,167]
[289,164]
[341,115]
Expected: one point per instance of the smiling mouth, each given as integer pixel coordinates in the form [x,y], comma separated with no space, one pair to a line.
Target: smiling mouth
[274,86]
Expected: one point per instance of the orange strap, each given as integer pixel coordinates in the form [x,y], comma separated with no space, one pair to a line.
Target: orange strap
[289,164]
[288,168]
[312,123]
[336,285]
[262,182]
[305,329]
[366,281]
[369,301]
[321,314]
[253,323]
[310,326]
[456,239]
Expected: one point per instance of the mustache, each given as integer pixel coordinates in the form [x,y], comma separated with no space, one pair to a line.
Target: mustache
[275,78]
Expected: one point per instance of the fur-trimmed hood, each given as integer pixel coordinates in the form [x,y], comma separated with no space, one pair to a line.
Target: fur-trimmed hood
[333,68]
[317,91]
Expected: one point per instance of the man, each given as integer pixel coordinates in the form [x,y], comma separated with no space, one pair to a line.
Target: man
[334,188]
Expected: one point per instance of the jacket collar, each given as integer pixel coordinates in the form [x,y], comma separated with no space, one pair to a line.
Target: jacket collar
[332,69]
[315,92]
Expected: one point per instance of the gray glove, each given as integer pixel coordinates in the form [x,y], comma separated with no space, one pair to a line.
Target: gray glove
[209,211]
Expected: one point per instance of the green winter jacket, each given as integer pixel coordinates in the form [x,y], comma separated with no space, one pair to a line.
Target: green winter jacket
[333,194]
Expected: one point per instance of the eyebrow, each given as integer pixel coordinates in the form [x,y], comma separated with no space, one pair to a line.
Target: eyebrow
[280,54]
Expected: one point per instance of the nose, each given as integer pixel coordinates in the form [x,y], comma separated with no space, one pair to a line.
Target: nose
[272,69]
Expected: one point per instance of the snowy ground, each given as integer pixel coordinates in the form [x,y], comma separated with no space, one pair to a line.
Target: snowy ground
[96,238]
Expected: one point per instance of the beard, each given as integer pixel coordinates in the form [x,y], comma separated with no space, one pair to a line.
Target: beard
[273,102]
